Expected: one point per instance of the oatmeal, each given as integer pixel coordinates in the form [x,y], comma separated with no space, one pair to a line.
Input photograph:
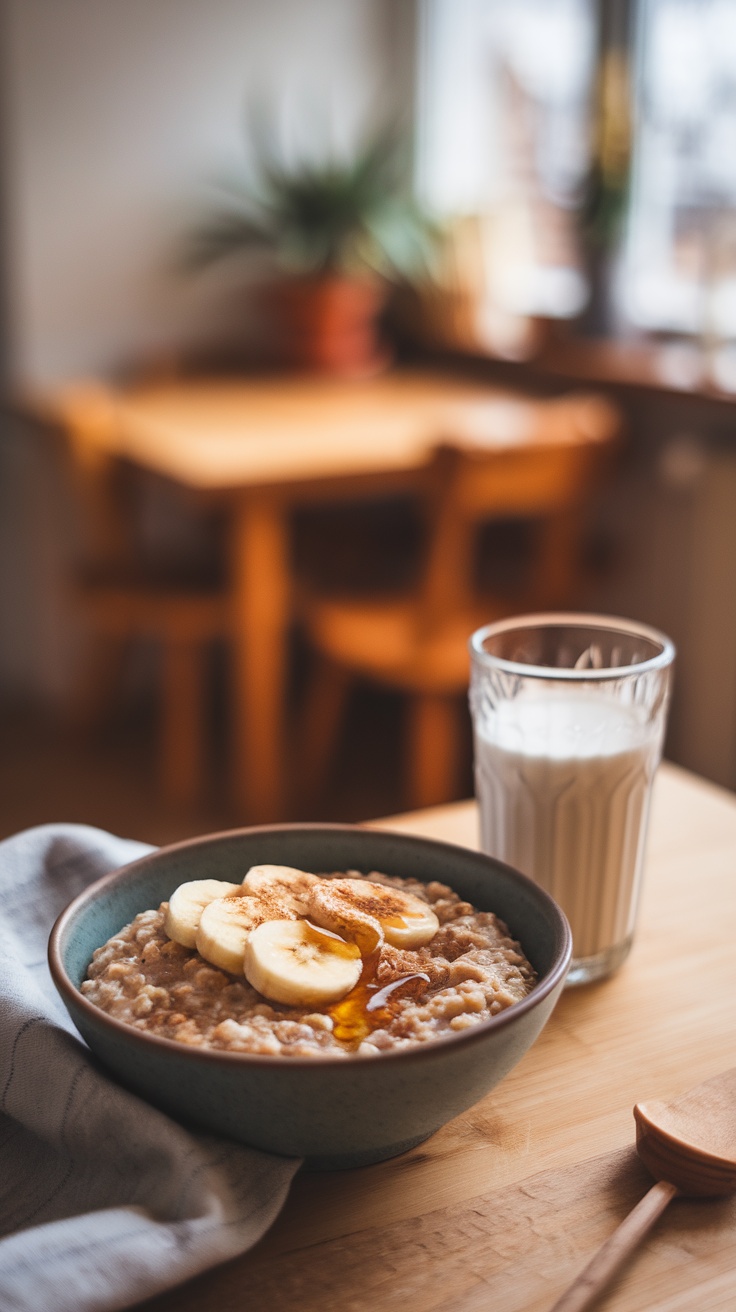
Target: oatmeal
[343,963]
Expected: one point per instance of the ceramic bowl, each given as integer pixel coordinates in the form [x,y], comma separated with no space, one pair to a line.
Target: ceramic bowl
[336,1112]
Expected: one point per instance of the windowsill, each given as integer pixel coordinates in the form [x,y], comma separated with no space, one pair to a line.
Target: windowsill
[671,367]
[676,368]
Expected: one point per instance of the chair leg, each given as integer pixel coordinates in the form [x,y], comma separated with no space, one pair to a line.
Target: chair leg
[183,727]
[558,555]
[433,750]
[324,708]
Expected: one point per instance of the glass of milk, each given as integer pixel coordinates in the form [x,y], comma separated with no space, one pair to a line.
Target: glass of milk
[569,715]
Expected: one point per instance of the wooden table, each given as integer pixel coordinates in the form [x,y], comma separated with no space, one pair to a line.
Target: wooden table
[501,1209]
[267,445]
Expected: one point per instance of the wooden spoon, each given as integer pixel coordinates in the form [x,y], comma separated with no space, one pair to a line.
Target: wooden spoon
[689,1146]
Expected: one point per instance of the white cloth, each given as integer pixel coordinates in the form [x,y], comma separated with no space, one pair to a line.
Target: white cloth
[104,1201]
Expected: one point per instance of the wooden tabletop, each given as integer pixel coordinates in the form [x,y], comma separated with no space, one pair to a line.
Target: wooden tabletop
[501,1209]
[267,431]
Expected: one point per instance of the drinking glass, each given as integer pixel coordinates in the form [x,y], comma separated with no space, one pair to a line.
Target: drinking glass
[569,714]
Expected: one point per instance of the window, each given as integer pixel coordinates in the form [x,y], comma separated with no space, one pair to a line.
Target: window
[509,97]
[504,138]
[679,254]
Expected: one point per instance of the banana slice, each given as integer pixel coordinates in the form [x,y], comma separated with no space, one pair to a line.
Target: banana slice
[335,905]
[346,905]
[281,884]
[296,963]
[186,904]
[224,927]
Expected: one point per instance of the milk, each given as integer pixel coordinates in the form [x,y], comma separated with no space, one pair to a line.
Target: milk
[563,783]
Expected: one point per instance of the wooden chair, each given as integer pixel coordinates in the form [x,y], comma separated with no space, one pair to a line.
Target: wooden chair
[416,642]
[121,597]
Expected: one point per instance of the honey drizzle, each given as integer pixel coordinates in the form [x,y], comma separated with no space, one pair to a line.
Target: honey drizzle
[366,1007]
[383,995]
[330,942]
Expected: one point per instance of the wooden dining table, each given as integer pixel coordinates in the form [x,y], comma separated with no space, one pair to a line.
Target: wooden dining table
[262,446]
[501,1209]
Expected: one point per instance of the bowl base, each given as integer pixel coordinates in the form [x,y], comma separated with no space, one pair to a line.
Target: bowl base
[347,1161]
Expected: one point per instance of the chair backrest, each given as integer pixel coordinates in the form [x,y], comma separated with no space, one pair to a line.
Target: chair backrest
[547,476]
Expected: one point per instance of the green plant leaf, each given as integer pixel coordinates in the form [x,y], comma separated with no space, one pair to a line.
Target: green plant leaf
[225,234]
[323,216]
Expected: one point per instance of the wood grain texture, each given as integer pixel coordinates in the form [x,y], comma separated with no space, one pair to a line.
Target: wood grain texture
[587,1289]
[503,1207]
[689,1147]
[507,1249]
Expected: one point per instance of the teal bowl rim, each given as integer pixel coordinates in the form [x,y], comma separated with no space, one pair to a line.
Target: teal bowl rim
[74,999]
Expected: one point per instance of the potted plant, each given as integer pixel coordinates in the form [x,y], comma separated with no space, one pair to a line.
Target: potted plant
[339,233]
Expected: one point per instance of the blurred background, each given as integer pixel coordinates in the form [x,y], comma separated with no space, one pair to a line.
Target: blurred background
[554,206]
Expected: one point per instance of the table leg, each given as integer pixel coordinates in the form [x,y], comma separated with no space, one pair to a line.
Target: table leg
[260,579]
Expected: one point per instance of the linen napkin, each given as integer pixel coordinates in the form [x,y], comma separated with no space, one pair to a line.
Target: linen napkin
[104,1201]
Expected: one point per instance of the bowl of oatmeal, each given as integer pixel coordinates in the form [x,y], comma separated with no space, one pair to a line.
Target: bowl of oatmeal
[321,991]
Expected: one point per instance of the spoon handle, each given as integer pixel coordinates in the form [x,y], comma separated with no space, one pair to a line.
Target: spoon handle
[591,1282]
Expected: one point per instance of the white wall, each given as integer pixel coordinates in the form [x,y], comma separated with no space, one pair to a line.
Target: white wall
[119,114]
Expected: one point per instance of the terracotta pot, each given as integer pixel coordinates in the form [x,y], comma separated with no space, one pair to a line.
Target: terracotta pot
[328,324]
